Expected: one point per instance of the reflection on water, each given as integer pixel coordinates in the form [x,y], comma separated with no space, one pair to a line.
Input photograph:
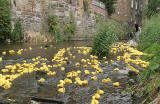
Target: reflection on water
[52,48]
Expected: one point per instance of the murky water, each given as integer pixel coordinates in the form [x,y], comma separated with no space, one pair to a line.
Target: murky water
[27,86]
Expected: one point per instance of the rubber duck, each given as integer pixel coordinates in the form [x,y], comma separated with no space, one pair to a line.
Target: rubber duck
[116,84]
[94,101]
[100,92]
[60,85]
[96,96]
[116,69]
[62,68]
[94,78]
[69,81]
[77,64]
[11,52]
[61,90]
[1,59]
[85,82]
[41,80]
[106,80]
[4,53]
[86,72]
[106,62]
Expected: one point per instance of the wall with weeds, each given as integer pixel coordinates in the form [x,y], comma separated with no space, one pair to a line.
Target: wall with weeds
[70,28]
[17,33]
[54,28]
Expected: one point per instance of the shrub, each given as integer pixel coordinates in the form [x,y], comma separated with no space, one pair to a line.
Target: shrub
[106,35]
[70,28]
[54,28]
[17,31]
[5,19]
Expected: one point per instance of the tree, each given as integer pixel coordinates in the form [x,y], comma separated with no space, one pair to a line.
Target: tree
[5,19]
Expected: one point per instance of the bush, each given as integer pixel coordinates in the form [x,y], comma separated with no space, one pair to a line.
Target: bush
[104,38]
[54,28]
[17,32]
[70,28]
[5,19]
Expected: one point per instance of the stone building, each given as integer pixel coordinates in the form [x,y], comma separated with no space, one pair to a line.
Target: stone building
[34,13]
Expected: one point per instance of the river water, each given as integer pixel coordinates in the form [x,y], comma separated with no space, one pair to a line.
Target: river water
[26,87]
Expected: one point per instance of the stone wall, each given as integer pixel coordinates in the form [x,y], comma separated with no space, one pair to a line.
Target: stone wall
[34,13]
[123,10]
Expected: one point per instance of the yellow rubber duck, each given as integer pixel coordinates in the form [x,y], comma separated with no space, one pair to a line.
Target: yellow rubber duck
[62,68]
[19,52]
[106,80]
[96,96]
[77,64]
[69,81]
[1,59]
[11,52]
[116,69]
[85,82]
[79,82]
[116,84]
[111,61]
[93,73]
[79,72]
[94,78]
[106,62]
[4,53]
[41,80]
[86,72]
[94,101]
[60,85]
[30,48]
[105,57]
[100,92]
[61,90]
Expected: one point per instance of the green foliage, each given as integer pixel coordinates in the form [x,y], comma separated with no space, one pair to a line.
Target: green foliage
[150,43]
[54,28]
[109,5]
[152,7]
[106,35]
[85,5]
[5,19]
[17,31]
[70,28]
[150,33]
[154,59]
